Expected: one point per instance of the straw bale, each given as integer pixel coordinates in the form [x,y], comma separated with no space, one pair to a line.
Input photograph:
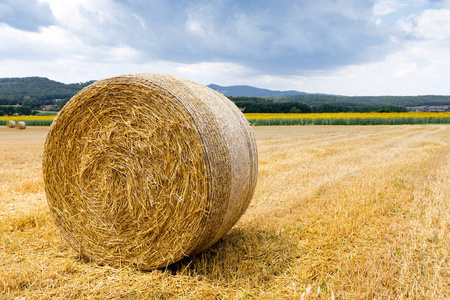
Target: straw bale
[21,125]
[146,169]
[11,124]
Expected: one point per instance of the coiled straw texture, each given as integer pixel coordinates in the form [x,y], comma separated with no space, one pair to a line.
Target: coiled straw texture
[146,169]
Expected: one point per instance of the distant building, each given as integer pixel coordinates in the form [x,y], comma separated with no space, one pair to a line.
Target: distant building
[437,108]
[50,107]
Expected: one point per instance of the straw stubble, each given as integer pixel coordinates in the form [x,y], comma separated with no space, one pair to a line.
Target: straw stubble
[145,169]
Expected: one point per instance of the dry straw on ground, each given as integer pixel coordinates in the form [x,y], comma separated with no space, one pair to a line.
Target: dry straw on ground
[358,212]
[11,124]
[146,169]
[21,125]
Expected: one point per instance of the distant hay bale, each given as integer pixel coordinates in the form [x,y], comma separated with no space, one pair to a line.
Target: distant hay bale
[145,169]
[21,125]
[11,124]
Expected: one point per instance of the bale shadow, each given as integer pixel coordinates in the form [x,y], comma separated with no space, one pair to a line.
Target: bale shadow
[243,254]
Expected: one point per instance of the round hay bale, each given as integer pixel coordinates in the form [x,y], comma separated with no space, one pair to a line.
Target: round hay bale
[21,125]
[146,169]
[11,124]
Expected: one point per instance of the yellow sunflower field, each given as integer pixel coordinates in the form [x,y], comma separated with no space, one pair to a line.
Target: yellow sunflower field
[373,118]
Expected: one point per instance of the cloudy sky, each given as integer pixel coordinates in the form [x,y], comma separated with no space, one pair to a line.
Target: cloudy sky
[346,47]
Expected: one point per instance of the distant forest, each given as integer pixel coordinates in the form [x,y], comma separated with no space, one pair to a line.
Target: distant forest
[36,92]
[378,101]
[265,106]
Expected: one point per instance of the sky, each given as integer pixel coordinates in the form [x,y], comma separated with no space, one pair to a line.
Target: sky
[343,47]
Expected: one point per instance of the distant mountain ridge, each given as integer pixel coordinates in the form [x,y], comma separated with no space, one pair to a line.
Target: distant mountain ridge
[250,91]
[39,91]
[42,88]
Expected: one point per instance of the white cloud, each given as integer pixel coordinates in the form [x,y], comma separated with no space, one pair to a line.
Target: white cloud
[386,7]
[52,43]
[420,68]
[343,47]
[196,27]
[49,42]
[433,24]
[141,20]
[277,37]
[211,72]
[93,21]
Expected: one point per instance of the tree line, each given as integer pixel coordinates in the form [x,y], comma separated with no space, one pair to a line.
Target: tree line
[247,107]
[19,110]
[296,107]
[318,99]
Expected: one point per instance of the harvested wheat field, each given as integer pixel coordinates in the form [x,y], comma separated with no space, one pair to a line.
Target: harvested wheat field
[339,212]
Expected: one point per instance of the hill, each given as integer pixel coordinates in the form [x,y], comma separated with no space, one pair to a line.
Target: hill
[38,91]
[43,89]
[38,88]
[250,91]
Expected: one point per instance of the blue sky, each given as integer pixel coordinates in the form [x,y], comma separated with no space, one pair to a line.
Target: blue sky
[346,47]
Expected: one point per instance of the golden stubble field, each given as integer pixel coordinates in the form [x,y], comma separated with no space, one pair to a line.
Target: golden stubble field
[340,212]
